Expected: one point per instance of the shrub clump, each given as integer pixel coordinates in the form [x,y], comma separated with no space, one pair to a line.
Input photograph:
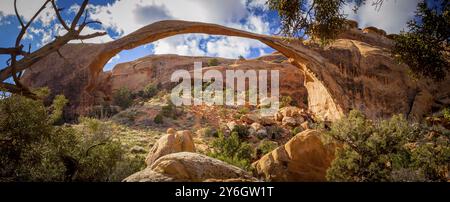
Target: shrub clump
[265,147]
[232,150]
[213,62]
[241,131]
[150,91]
[34,149]
[389,150]
[123,98]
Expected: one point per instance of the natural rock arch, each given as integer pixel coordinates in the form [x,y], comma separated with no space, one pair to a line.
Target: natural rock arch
[356,71]
[300,56]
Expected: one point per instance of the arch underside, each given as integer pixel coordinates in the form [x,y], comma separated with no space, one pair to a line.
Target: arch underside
[321,102]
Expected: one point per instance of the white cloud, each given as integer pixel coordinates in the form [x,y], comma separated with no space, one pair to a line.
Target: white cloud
[27,9]
[232,47]
[391,17]
[125,17]
[258,4]
[182,44]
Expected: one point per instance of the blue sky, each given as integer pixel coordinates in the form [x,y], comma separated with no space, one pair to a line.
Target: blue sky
[121,17]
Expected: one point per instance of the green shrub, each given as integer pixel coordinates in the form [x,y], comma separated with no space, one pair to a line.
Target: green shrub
[389,150]
[232,150]
[127,167]
[285,101]
[209,132]
[57,108]
[265,147]
[169,110]
[213,62]
[446,113]
[159,119]
[123,98]
[241,131]
[297,130]
[243,110]
[33,149]
[149,91]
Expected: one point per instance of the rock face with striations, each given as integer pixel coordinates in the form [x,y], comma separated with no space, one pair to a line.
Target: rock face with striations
[355,72]
[158,69]
[303,158]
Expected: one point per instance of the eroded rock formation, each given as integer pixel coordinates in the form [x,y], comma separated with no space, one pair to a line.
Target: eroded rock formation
[354,72]
[303,158]
[189,167]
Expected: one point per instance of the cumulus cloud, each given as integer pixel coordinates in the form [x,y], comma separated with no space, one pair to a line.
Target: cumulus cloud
[392,16]
[44,28]
[124,17]
[27,9]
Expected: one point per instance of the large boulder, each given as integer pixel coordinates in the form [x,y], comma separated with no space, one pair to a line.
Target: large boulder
[303,158]
[172,142]
[189,167]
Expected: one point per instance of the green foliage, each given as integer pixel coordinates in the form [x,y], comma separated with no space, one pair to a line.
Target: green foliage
[42,92]
[169,110]
[33,149]
[123,98]
[159,119]
[297,130]
[243,110]
[321,20]
[285,101]
[424,48]
[446,113]
[24,129]
[265,147]
[126,167]
[389,150]
[58,105]
[150,91]
[209,132]
[213,62]
[232,150]
[241,57]
[241,131]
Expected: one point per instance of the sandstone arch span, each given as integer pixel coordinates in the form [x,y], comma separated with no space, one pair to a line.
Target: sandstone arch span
[356,71]
[300,55]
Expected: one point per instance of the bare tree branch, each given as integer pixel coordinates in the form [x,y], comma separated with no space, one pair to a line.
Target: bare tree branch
[16,67]
[89,36]
[79,14]
[17,14]
[10,51]
[58,15]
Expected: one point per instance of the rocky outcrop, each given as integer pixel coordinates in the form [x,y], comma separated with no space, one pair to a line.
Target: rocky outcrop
[292,116]
[303,158]
[172,142]
[355,72]
[189,167]
[158,69]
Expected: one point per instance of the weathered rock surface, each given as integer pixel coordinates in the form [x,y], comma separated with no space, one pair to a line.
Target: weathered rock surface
[172,142]
[303,158]
[189,167]
[355,72]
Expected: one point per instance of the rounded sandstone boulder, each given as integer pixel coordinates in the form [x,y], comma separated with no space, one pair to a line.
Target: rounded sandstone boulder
[189,167]
[303,158]
[172,142]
